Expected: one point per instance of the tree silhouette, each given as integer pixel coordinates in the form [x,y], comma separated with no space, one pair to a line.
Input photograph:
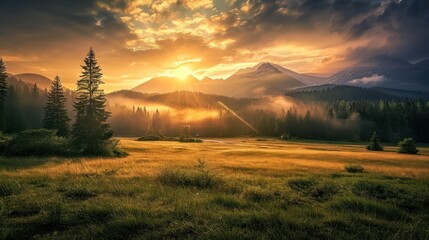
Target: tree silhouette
[56,116]
[90,131]
[374,145]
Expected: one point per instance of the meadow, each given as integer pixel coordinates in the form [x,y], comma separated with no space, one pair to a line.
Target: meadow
[236,188]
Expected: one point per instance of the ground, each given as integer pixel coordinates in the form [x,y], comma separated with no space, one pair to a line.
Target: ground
[242,188]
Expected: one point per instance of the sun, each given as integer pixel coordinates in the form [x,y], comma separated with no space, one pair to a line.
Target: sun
[182,72]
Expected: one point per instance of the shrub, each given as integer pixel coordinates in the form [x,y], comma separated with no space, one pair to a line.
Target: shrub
[4,142]
[374,145]
[38,142]
[408,145]
[354,169]
[150,137]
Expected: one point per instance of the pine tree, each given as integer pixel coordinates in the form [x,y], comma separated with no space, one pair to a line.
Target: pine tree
[91,133]
[3,92]
[374,145]
[56,116]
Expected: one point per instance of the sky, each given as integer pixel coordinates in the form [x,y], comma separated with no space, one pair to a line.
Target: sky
[135,40]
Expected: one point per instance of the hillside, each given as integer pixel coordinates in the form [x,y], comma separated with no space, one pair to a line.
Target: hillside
[348,93]
[32,78]
[178,99]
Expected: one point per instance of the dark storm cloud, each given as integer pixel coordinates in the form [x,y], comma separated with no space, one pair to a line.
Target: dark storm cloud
[404,24]
[51,24]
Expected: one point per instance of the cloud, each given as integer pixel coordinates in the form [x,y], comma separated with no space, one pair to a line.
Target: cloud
[144,38]
[370,80]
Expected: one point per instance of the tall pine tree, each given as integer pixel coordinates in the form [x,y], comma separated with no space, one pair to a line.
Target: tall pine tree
[90,132]
[56,116]
[3,92]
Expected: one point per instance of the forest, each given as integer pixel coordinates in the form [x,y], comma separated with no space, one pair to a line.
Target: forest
[333,119]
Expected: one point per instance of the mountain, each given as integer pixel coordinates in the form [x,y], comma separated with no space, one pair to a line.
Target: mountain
[307,79]
[168,84]
[386,72]
[32,78]
[260,80]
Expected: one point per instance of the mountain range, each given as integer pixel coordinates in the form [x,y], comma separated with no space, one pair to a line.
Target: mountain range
[391,74]
[271,79]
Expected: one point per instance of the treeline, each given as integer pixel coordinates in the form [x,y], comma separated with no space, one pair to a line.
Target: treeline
[139,121]
[24,106]
[342,120]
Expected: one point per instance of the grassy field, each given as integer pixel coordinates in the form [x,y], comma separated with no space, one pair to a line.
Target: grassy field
[220,189]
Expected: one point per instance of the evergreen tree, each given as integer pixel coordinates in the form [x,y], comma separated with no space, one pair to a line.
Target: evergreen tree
[56,116]
[408,146]
[91,133]
[374,145]
[3,92]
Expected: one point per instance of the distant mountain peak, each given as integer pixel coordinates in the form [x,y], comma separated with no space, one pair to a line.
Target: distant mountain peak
[267,67]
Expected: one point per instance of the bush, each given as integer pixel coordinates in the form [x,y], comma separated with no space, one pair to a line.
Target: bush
[408,145]
[109,149]
[150,137]
[374,145]
[4,142]
[37,142]
[354,169]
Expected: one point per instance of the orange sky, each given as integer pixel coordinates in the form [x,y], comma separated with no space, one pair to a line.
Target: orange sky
[135,40]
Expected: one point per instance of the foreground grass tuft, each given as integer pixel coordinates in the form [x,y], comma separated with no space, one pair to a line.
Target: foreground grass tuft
[8,188]
[79,193]
[188,178]
[369,207]
[354,168]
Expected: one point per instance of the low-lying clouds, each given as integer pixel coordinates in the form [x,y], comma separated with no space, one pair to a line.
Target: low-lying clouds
[140,39]
[370,80]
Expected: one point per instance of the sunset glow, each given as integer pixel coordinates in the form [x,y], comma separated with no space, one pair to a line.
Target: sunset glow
[136,40]
[182,72]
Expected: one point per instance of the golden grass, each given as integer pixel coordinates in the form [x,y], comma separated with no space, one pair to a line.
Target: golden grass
[244,156]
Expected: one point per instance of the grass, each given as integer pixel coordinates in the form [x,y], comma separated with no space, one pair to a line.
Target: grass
[355,168]
[219,189]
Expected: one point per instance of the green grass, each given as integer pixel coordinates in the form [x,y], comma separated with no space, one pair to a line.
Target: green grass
[63,199]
